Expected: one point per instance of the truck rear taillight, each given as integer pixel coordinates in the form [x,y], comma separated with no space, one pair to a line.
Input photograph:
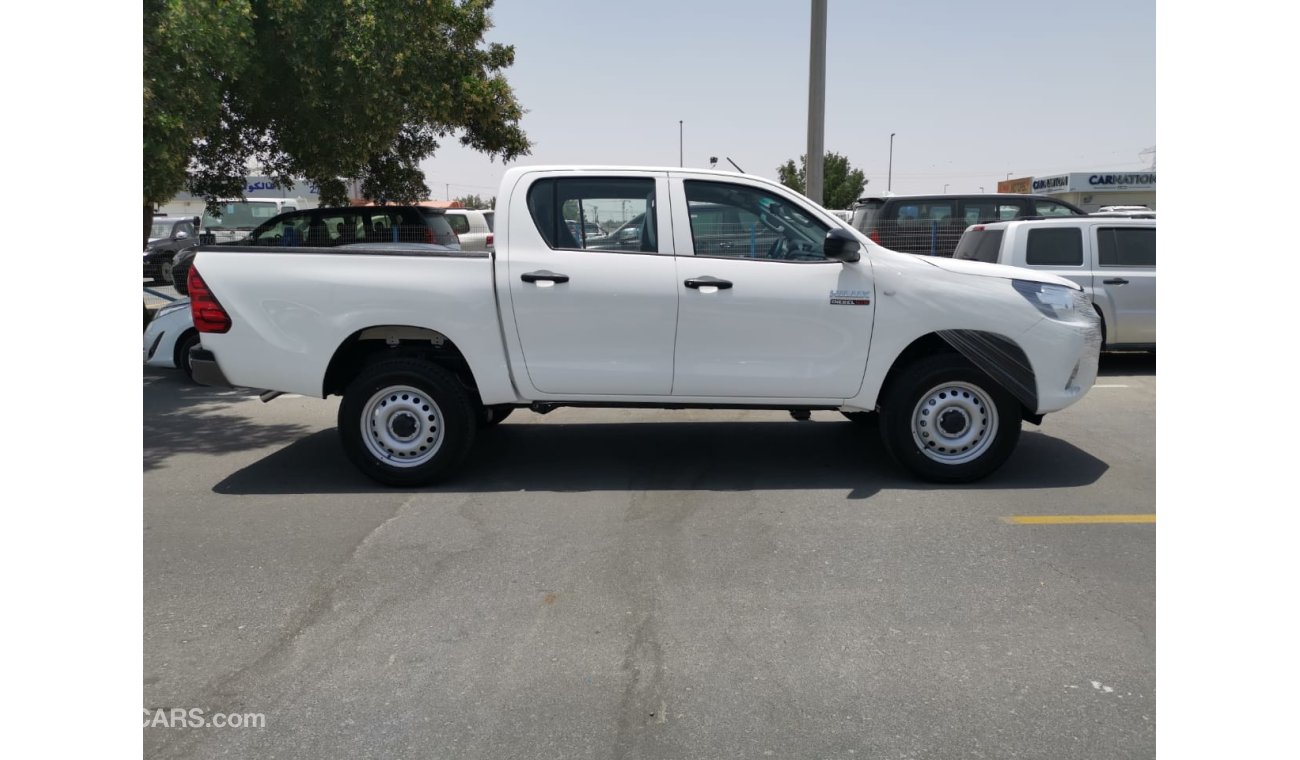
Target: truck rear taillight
[489,240]
[976,227]
[208,314]
[874,235]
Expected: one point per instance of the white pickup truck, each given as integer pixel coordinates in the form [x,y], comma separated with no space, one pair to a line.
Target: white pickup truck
[732,292]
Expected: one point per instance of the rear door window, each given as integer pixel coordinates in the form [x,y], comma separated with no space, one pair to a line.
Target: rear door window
[563,209]
[923,211]
[488,216]
[1052,208]
[1055,247]
[1126,246]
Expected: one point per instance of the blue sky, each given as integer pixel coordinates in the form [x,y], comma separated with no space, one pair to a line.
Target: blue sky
[973,91]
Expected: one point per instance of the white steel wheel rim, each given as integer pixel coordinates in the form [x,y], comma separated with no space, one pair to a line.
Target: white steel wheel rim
[954,423]
[402,426]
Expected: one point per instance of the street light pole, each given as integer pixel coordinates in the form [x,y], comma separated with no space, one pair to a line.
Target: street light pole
[681,161]
[889,184]
[813,164]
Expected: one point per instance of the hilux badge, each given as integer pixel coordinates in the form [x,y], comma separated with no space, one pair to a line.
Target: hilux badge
[850,298]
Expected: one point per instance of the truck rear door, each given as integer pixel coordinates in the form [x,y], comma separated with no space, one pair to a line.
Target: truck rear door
[594,315]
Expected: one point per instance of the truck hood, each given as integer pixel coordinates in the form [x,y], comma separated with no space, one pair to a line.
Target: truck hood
[965,266]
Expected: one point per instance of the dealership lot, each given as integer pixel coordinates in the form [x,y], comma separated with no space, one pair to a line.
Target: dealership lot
[625,583]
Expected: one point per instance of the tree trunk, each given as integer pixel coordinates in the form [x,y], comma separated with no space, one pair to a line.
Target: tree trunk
[148,223]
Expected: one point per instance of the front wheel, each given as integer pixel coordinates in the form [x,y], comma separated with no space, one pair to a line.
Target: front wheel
[948,422]
[406,422]
[182,358]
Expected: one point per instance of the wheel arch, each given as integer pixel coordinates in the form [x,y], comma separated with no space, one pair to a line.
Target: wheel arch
[384,341]
[998,356]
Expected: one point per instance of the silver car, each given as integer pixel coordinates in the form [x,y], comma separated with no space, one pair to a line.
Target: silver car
[1112,258]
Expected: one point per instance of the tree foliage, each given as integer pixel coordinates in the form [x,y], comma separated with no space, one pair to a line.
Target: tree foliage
[841,183]
[326,90]
[477,202]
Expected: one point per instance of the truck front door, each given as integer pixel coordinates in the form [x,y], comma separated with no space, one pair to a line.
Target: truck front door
[762,312]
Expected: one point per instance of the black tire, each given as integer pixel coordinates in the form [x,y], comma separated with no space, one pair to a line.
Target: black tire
[165,271]
[446,421]
[862,418]
[494,415]
[188,340]
[181,272]
[972,426]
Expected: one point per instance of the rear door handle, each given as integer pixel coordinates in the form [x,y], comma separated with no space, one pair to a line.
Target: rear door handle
[708,282]
[543,275]
[1115,281]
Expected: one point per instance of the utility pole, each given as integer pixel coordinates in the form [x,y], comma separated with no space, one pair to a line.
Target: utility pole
[816,101]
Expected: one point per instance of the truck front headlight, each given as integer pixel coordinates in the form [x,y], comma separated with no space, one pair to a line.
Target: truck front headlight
[1055,301]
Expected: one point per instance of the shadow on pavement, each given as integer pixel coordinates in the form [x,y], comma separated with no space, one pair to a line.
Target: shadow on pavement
[708,456]
[1127,363]
[182,418]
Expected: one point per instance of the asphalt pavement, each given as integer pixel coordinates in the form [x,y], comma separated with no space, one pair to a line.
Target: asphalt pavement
[649,584]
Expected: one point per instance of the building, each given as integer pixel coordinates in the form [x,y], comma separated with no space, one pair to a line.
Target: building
[300,197]
[1091,190]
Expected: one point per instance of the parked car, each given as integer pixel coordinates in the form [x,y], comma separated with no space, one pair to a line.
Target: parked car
[1112,258]
[168,236]
[472,227]
[169,336]
[329,227]
[932,224]
[1139,212]
[426,349]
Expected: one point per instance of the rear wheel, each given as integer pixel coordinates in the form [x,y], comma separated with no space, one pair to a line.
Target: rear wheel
[406,422]
[948,422]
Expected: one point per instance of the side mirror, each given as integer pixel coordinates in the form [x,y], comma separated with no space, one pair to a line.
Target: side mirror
[841,245]
[182,235]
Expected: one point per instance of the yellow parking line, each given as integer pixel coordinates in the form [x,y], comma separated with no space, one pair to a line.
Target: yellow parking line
[1077,519]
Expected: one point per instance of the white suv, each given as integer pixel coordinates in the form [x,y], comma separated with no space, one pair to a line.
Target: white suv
[473,227]
[1112,258]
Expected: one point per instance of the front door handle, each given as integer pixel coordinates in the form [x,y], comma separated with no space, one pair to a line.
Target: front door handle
[543,275]
[1115,281]
[708,282]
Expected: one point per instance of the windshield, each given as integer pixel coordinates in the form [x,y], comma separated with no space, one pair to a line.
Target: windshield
[241,215]
[161,229]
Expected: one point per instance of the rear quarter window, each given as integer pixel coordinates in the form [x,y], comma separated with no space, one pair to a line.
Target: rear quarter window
[980,245]
[458,222]
[443,234]
[864,214]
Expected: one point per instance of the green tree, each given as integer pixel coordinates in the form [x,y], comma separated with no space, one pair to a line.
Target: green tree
[325,90]
[476,202]
[841,183]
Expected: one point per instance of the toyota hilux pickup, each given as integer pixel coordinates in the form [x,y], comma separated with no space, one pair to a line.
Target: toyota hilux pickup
[737,293]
